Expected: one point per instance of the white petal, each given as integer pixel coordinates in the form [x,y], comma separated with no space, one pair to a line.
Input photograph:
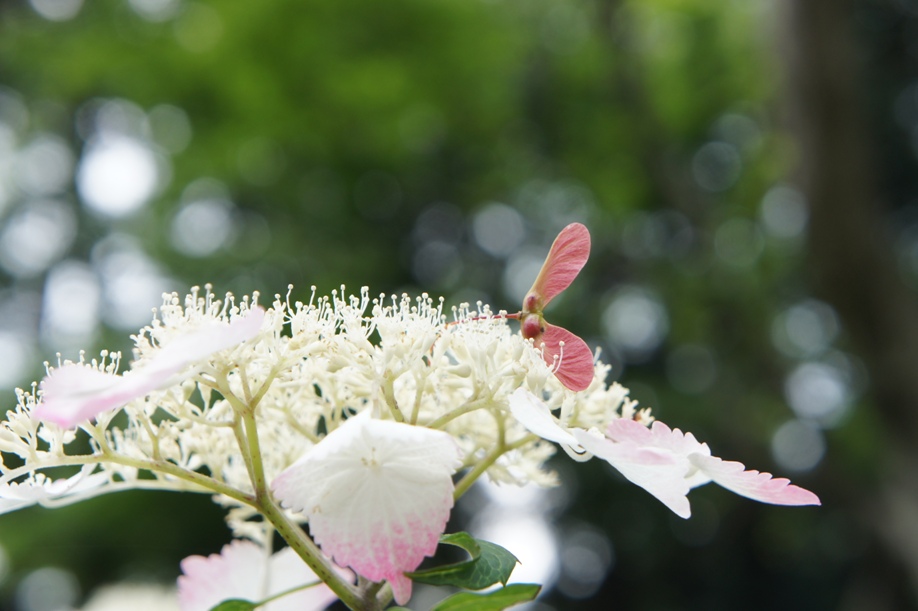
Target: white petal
[244,570]
[377,495]
[30,492]
[206,340]
[659,472]
[76,392]
[536,417]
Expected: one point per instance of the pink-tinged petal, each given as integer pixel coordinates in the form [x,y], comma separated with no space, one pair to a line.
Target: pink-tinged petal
[572,362]
[377,495]
[245,570]
[660,473]
[536,417]
[704,468]
[569,253]
[752,484]
[660,436]
[208,339]
[75,392]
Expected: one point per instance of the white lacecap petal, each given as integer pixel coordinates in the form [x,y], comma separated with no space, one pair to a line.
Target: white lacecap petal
[536,417]
[659,472]
[377,495]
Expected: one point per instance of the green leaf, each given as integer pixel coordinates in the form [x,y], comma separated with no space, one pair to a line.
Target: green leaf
[235,604]
[492,601]
[489,564]
[463,540]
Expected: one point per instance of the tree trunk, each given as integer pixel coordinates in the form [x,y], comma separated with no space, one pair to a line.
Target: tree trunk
[851,263]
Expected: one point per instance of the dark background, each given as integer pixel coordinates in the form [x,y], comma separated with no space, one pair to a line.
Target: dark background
[746,168]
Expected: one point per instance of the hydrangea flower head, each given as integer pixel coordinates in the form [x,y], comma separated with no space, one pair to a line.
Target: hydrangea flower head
[362,418]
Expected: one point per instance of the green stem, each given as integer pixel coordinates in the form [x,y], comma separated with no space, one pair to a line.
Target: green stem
[418,395]
[499,450]
[293,590]
[465,408]
[250,447]
[389,392]
[311,555]
[193,477]
[253,449]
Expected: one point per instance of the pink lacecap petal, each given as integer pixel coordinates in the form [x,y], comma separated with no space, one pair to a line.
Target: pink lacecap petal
[244,570]
[568,255]
[236,572]
[377,494]
[206,340]
[625,430]
[75,392]
[573,362]
[730,475]
[753,484]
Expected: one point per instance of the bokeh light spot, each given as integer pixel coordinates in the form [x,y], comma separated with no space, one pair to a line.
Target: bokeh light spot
[44,166]
[806,329]
[819,392]
[70,308]
[437,264]
[117,175]
[57,10]
[132,282]
[586,558]
[716,166]
[784,212]
[798,446]
[16,354]
[440,222]
[527,536]
[201,228]
[47,589]
[635,322]
[35,236]
[521,272]
[13,111]
[498,229]
[653,235]
[156,10]
[740,130]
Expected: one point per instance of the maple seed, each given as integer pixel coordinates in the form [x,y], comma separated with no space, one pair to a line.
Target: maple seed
[568,355]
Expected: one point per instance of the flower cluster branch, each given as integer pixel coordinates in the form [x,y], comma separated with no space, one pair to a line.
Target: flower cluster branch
[365,418]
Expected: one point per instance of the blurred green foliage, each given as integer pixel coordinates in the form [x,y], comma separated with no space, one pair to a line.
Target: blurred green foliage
[351,136]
